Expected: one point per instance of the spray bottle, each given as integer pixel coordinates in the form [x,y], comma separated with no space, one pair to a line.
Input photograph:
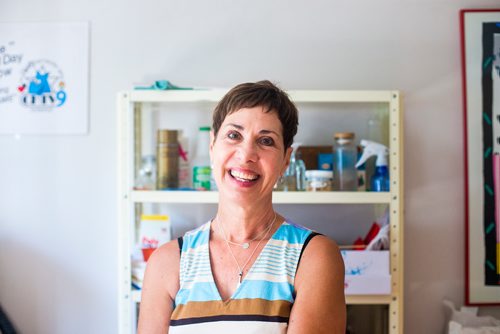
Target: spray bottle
[380,179]
[300,168]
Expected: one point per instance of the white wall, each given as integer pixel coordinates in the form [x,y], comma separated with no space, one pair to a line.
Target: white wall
[58,241]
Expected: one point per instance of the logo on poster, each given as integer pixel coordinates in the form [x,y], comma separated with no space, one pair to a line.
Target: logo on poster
[42,86]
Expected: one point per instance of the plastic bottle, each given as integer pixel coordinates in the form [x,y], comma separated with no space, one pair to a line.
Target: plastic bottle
[344,160]
[300,172]
[380,179]
[184,163]
[201,160]
[375,130]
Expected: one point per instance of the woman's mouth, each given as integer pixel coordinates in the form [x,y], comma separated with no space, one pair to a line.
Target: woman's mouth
[243,176]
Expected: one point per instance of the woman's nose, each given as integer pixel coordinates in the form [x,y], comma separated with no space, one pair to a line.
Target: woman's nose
[247,152]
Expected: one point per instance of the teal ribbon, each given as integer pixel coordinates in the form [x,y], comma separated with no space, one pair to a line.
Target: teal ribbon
[163,85]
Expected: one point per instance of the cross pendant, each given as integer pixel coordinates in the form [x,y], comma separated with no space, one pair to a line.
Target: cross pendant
[241,277]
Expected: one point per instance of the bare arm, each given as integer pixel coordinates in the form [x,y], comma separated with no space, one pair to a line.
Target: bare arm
[319,283]
[161,283]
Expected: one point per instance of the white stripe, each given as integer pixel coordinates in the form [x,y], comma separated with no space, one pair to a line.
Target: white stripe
[271,278]
[240,327]
[188,284]
[281,243]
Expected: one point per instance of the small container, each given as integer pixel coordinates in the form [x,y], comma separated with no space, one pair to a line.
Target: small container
[319,180]
[146,253]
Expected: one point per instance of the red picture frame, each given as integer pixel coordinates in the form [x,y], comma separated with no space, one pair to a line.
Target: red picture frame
[482,226]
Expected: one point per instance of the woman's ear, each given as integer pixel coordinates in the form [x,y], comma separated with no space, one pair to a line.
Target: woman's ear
[288,154]
[212,140]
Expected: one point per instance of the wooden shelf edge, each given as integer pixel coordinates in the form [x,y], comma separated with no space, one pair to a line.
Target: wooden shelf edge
[211,197]
[298,96]
[368,299]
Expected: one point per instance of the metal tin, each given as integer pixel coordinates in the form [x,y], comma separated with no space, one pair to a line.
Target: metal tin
[167,159]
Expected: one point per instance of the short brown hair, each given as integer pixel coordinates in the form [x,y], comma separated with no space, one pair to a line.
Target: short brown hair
[262,93]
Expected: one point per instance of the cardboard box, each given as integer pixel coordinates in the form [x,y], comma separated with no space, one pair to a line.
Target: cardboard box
[310,155]
[367,285]
[367,272]
[155,230]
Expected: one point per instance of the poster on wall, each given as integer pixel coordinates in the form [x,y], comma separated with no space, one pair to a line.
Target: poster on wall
[481,96]
[44,78]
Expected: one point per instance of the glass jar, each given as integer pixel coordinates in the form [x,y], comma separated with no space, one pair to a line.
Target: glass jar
[345,154]
[146,176]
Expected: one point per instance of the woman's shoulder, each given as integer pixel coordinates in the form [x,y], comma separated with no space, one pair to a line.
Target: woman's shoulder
[322,255]
[162,269]
[165,254]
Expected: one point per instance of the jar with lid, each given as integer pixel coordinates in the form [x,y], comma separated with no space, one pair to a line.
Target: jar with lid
[319,180]
[345,154]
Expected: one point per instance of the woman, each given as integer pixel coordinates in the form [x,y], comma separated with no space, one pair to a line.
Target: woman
[240,271]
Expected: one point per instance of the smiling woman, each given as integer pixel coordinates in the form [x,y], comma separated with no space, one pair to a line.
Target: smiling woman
[249,156]
[248,269]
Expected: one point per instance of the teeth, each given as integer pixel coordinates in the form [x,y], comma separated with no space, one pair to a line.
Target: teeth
[243,176]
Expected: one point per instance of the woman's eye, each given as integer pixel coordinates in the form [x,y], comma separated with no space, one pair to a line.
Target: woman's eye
[267,141]
[233,135]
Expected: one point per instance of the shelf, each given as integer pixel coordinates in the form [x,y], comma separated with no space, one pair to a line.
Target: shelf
[350,300]
[210,197]
[298,96]
[368,299]
[132,107]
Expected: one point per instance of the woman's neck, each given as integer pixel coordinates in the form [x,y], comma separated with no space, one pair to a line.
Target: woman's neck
[244,223]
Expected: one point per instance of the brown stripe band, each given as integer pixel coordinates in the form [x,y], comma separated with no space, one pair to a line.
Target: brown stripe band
[260,307]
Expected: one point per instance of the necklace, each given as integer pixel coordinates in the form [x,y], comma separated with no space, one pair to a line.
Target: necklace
[242,268]
[244,245]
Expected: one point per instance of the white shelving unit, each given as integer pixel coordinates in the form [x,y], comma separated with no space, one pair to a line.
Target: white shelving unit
[130,105]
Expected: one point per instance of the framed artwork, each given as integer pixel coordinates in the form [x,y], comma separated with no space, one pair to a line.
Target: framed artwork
[480,37]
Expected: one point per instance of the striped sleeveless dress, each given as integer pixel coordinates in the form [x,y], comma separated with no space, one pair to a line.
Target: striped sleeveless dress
[263,301]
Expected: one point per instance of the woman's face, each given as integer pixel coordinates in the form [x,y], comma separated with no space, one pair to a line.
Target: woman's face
[248,155]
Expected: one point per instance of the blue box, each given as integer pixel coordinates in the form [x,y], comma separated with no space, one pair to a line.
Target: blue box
[325,161]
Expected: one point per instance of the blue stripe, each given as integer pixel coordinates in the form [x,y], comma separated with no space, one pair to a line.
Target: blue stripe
[192,278]
[196,238]
[272,264]
[282,256]
[185,263]
[265,290]
[292,234]
[284,247]
[200,292]
[190,275]
[191,269]
[273,270]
